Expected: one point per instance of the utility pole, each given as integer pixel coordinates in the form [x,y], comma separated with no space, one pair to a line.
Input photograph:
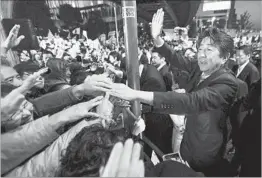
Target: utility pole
[129,12]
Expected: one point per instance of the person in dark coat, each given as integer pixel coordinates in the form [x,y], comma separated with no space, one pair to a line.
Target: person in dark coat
[159,62]
[245,70]
[172,169]
[250,134]
[159,127]
[211,90]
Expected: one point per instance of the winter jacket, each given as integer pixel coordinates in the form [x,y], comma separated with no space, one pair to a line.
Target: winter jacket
[21,143]
[47,163]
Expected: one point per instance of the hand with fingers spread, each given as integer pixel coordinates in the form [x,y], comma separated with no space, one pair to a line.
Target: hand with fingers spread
[95,85]
[124,161]
[123,91]
[81,110]
[12,40]
[157,23]
[31,81]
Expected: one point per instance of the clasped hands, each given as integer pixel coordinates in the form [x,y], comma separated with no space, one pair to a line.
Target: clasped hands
[97,85]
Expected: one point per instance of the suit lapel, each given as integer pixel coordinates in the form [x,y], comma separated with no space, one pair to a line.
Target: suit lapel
[234,69]
[210,78]
[195,78]
[244,73]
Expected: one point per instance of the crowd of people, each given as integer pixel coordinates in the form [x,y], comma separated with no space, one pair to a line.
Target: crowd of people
[65,107]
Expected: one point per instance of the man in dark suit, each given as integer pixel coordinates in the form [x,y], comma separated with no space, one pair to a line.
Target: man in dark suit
[159,62]
[244,69]
[158,126]
[211,90]
[250,134]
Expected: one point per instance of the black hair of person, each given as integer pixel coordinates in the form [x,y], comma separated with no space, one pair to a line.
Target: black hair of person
[89,150]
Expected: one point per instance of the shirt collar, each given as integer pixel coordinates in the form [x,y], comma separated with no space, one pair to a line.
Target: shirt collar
[141,67]
[161,66]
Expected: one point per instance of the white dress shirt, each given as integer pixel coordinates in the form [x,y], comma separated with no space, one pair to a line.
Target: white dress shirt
[141,67]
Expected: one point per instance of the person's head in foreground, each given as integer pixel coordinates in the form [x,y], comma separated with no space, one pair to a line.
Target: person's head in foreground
[9,75]
[89,150]
[214,49]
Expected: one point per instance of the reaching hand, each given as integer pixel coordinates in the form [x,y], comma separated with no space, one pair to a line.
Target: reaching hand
[105,108]
[12,40]
[122,91]
[33,80]
[124,161]
[157,23]
[96,85]
[82,109]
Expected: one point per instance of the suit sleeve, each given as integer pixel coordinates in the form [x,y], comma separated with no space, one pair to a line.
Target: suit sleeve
[176,59]
[150,85]
[219,95]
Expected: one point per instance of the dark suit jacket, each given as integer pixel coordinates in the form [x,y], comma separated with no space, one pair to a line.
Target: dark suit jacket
[143,59]
[159,126]
[151,80]
[249,74]
[250,134]
[206,108]
[164,71]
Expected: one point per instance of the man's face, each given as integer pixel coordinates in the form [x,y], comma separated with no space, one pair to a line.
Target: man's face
[208,56]
[156,60]
[10,76]
[241,57]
